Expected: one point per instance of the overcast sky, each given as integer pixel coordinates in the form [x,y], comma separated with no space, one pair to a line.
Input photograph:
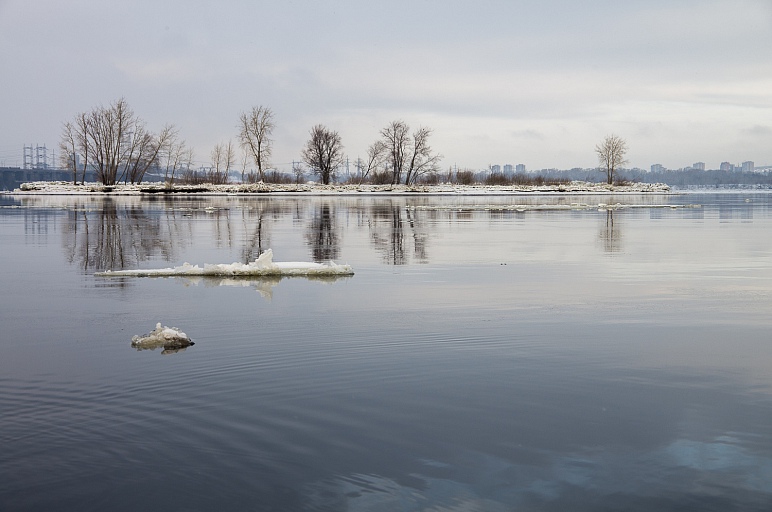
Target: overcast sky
[536,82]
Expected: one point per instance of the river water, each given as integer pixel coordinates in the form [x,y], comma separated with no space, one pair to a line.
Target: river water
[490,353]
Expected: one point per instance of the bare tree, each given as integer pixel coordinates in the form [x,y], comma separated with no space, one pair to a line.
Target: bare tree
[178,158]
[611,155]
[255,129]
[114,140]
[68,150]
[298,171]
[101,136]
[396,139]
[223,156]
[406,155]
[422,160]
[376,157]
[323,153]
[164,142]
[188,157]
[144,151]
[229,158]
[109,129]
[217,157]
[81,128]
[244,162]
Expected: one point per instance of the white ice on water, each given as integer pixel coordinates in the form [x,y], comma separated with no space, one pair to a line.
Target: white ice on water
[262,266]
[169,338]
[550,207]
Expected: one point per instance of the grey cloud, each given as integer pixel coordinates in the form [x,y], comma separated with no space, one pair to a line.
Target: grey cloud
[758,131]
[199,64]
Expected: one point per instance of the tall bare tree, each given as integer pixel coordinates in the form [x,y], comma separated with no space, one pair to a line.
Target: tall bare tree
[376,157]
[255,129]
[145,148]
[81,128]
[244,162]
[323,152]
[114,141]
[298,172]
[178,157]
[407,156]
[611,155]
[68,150]
[422,160]
[223,157]
[217,155]
[396,140]
[229,158]
[164,142]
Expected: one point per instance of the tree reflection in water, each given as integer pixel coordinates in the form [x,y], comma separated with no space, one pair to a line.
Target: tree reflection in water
[115,234]
[114,238]
[390,225]
[255,221]
[611,233]
[323,235]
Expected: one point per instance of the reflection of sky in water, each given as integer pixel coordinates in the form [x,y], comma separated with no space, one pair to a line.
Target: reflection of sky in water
[484,482]
[493,361]
[725,453]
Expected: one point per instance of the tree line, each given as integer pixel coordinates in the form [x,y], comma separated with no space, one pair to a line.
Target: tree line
[119,146]
[116,142]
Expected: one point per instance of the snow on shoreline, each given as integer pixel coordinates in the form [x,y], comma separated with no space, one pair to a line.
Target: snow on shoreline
[574,187]
[262,266]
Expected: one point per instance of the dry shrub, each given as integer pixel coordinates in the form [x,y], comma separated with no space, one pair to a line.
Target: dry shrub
[465,178]
[497,179]
[274,176]
[191,177]
[381,178]
[431,178]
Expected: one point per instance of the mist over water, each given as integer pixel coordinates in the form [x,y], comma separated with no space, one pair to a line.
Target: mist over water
[487,354]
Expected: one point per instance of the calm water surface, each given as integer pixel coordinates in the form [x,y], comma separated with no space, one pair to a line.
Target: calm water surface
[482,358]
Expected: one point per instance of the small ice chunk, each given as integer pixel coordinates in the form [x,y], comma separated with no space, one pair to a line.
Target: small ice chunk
[171,339]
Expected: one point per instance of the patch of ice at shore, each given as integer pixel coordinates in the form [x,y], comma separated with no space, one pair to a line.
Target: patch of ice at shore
[262,266]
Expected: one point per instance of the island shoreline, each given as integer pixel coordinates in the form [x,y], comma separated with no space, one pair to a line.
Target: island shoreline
[315,189]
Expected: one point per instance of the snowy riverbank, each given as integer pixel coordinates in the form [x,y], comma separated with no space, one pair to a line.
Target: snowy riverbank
[574,187]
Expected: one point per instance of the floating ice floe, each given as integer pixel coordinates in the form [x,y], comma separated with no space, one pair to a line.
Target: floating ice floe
[549,207]
[170,339]
[262,266]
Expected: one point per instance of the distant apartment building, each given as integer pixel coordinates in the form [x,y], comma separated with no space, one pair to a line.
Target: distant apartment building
[698,166]
[509,169]
[726,166]
[748,166]
[657,168]
[520,168]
